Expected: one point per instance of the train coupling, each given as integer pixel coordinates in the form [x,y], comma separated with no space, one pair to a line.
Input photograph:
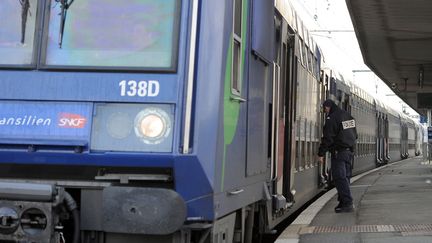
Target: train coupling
[31,212]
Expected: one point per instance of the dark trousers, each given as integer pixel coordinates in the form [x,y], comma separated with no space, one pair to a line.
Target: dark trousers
[341,172]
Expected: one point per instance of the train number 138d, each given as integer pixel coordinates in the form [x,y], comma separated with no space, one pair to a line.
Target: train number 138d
[139,88]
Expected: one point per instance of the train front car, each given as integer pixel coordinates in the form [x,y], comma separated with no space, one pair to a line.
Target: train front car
[141,121]
[92,117]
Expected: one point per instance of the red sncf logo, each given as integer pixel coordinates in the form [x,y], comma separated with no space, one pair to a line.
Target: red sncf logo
[69,120]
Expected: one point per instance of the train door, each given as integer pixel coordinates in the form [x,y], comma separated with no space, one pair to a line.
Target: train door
[290,118]
[259,89]
[289,100]
[325,81]
[416,137]
[380,139]
[278,124]
[403,146]
[283,111]
[386,140]
[278,113]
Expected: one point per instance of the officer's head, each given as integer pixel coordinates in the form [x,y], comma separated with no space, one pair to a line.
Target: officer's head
[328,105]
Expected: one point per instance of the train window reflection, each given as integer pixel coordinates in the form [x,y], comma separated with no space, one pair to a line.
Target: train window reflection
[111,33]
[17,30]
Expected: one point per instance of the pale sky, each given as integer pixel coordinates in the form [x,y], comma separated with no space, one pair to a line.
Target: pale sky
[330,25]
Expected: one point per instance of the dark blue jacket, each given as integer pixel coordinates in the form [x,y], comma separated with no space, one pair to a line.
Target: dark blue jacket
[339,131]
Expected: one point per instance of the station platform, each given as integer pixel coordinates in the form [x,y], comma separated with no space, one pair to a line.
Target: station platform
[392,203]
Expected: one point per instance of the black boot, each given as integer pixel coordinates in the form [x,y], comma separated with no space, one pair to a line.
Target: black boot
[344,208]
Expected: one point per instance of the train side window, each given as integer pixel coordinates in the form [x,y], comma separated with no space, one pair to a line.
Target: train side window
[302,138]
[300,47]
[313,64]
[306,154]
[360,148]
[313,162]
[356,150]
[316,65]
[333,87]
[305,55]
[237,54]
[236,68]
[297,160]
[310,63]
[339,95]
[364,148]
[237,17]
[310,146]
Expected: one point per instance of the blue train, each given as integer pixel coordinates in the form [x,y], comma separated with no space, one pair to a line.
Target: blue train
[168,121]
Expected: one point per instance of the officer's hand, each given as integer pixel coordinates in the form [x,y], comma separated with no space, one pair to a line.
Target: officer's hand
[321,159]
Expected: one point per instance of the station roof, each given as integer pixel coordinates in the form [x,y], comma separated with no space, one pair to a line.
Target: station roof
[395,37]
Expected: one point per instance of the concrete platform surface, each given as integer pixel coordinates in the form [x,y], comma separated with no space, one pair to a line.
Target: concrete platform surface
[392,204]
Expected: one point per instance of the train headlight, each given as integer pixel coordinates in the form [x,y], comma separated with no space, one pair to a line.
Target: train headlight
[132,127]
[152,125]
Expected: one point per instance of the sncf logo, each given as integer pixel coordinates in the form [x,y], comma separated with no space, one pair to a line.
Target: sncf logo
[69,120]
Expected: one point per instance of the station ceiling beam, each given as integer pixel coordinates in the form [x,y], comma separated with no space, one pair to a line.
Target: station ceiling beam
[395,38]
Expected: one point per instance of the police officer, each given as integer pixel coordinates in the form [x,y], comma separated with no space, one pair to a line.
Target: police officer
[339,137]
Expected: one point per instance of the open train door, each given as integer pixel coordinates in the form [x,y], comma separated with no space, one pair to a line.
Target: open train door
[324,169]
[283,115]
[290,98]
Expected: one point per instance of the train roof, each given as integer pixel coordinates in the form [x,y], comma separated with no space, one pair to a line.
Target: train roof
[380,106]
[287,11]
[393,112]
[294,21]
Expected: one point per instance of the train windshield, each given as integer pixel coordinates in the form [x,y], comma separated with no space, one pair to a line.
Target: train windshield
[112,33]
[17,31]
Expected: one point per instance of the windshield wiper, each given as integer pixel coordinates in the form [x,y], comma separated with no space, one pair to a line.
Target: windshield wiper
[25,6]
[65,4]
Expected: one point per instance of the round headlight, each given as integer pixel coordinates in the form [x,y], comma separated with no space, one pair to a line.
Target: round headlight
[152,125]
